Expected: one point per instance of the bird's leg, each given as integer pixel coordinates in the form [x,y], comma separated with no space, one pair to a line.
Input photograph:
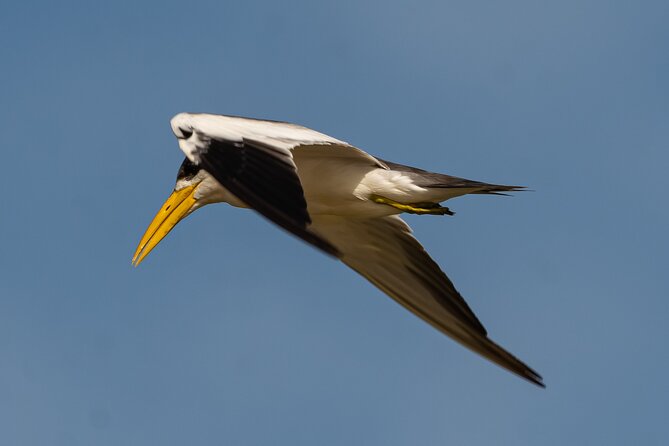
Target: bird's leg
[414,208]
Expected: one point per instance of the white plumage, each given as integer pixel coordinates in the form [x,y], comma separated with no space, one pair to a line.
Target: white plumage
[336,197]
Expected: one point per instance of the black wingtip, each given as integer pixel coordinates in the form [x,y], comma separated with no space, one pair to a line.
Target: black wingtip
[528,374]
[497,354]
[536,379]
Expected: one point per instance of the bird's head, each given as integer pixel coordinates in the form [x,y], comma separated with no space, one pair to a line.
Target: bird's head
[194,188]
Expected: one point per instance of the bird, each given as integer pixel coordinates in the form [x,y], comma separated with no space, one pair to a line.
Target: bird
[336,197]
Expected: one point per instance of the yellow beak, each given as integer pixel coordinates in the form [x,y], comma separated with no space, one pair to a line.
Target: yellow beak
[174,209]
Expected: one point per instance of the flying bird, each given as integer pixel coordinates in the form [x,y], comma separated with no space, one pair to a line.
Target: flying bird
[336,197]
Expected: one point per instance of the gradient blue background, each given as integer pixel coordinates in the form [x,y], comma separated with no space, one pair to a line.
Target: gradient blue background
[233,332]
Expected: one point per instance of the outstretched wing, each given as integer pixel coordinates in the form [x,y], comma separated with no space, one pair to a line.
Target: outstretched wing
[253,159]
[384,252]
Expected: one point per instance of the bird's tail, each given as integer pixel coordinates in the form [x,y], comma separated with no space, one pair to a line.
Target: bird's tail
[496,189]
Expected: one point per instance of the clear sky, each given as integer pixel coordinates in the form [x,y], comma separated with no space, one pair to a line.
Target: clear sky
[232,331]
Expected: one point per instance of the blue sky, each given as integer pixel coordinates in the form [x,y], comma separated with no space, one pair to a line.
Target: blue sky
[233,332]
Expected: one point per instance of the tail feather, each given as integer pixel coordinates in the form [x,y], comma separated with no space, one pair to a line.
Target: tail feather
[498,189]
[426,179]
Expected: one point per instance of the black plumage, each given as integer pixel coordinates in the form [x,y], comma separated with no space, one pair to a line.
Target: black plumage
[265,178]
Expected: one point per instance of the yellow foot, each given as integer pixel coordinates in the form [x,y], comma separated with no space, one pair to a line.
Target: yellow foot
[414,208]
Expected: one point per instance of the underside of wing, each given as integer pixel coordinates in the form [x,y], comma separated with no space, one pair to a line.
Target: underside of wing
[384,252]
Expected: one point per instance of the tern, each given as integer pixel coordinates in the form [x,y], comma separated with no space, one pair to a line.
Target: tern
[336,197]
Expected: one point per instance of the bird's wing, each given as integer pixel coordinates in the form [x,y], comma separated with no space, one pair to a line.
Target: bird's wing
[384,252]
[253,159]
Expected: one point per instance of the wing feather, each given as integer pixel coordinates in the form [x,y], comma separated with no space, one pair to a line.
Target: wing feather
[253,159]
[266,179]
[384,252]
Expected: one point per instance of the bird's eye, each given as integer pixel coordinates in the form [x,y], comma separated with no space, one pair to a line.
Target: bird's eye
[187,133]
